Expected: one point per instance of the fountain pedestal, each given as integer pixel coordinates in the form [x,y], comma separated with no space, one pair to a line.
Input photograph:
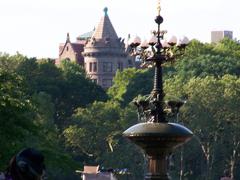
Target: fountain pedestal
[158,140]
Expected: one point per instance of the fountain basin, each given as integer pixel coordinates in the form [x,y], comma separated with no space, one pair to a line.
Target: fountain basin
[156,137]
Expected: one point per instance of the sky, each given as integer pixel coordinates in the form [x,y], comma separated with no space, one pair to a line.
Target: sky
[36,27]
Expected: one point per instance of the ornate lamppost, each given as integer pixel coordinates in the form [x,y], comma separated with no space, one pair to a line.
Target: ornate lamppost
[156,136]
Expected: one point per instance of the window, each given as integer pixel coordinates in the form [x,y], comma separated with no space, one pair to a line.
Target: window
[120,66]
[94,67]
[129,61]
[107,67]
[90,67]
[107,82]
[67,48]
[94,80]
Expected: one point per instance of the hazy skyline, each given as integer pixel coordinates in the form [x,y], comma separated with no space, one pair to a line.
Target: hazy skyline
[36,27]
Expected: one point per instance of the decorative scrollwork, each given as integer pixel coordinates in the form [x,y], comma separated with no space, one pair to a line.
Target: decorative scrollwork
[155,53]
[147,106]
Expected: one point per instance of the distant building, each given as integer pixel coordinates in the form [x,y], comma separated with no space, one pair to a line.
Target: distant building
[93,173]
[105,53]
[71,51]
[100,51]
[217,36]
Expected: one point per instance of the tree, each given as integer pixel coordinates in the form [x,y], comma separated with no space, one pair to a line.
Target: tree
[95,135]
[121,83]
[29,91]
[130,83]
[67,85]
[27,121]
[77,91]
[211,112]
[10,63]
[59,162]
[201,60]
[93,127]
[15,114]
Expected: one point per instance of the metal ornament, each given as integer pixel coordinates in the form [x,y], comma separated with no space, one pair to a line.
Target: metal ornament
[155,135]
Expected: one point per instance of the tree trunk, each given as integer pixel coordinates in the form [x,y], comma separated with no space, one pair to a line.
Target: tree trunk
[233,157]
[181,164]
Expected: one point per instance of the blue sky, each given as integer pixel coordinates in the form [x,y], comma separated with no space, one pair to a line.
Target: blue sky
[36,27]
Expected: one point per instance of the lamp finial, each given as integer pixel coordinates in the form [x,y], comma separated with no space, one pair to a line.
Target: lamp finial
[159,7]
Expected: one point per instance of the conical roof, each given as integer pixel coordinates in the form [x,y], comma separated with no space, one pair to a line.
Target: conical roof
[105,28]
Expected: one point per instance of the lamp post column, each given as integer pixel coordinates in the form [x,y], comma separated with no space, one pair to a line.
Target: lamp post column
[157,137]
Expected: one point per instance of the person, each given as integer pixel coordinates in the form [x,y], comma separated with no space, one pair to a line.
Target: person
[28,164]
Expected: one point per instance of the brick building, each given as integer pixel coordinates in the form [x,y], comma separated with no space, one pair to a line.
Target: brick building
[101,52]
[71,51]
[105,53]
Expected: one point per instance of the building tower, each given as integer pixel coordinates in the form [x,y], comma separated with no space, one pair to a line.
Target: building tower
[105,53]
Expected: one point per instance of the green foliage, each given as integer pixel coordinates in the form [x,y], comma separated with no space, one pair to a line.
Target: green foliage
[121,82]
[129,83]
[16,111]
[96,122]
[228,47]
[34,95]
[10,63]
[67,85]
[41,76]
[211,112]
[202,60]
[28,122]
[70,68]
[96,136]
[47,140]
